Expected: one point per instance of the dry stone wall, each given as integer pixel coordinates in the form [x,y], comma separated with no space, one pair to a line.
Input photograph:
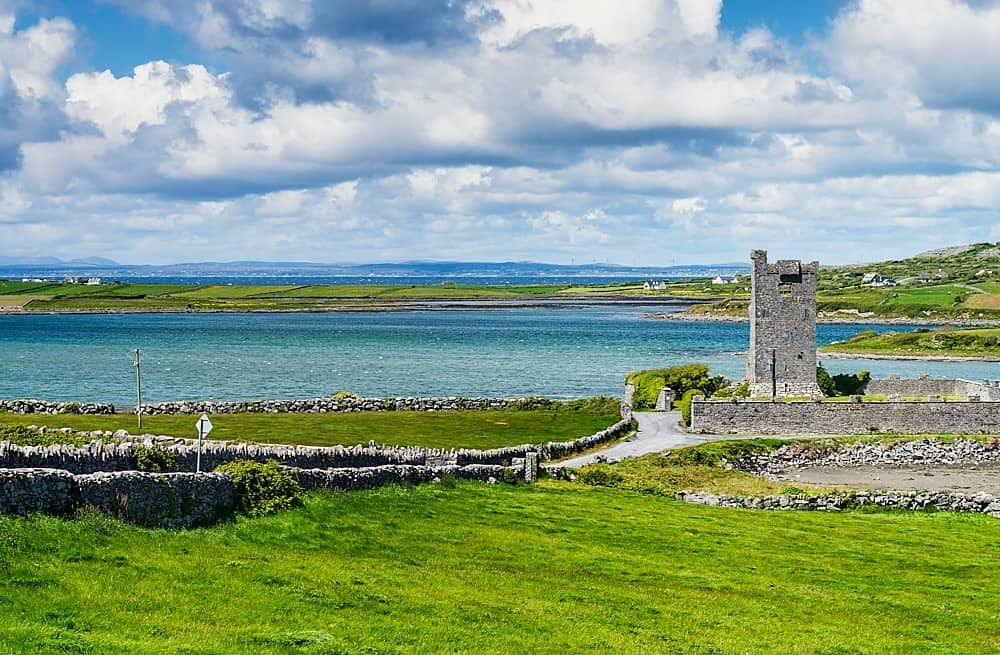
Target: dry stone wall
[28,406]
[738,416]
[908,500]
[923,387]
[347,404]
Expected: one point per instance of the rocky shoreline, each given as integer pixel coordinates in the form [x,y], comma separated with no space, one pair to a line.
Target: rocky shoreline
[833,319]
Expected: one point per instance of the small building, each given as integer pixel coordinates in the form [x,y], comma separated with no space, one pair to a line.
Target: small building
[654,285]
[718,280]
[93,281]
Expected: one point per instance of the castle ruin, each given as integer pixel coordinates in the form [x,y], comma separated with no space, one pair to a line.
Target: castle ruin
[782,357]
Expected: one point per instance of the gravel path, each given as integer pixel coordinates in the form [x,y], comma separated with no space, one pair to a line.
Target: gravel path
[658,431]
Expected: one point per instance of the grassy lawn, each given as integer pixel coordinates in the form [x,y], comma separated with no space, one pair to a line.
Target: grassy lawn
[461,429]
[967,342]
[557,568]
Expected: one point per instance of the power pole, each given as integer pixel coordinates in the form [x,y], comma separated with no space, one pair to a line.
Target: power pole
[138,389]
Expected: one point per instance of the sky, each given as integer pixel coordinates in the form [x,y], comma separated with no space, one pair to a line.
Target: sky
[637,132]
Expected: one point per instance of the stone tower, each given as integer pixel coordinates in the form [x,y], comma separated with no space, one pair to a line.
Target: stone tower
[782,357]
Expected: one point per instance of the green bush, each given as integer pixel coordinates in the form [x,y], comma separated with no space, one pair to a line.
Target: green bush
[741,390]
[152,459]
[599,475]
[344,395]
[684,404]
[680,378]
[262,488]
[70,408]
[842,384]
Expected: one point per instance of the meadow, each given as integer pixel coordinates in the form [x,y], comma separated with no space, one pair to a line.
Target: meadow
[983,342]
[471,568]
[453,429]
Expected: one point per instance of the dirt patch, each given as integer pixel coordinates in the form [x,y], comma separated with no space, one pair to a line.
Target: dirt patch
[967,478]
[18,302]
[983,301]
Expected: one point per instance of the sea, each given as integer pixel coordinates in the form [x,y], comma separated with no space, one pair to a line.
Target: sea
[556,351]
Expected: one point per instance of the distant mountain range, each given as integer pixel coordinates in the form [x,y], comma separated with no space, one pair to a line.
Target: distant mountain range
[13,267]
[55,261]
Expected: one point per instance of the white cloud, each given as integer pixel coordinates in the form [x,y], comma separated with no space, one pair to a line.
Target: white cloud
[542,129]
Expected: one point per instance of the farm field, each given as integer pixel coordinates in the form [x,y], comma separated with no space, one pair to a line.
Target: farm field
[556,568]
[459,429]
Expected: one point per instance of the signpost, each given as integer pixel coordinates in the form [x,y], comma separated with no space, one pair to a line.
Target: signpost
[138,389]
[204,427]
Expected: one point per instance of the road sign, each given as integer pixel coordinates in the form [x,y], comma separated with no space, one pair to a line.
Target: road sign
[204,427]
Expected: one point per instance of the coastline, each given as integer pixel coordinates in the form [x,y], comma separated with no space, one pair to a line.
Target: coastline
[908,357]
[832,320]
[400,306]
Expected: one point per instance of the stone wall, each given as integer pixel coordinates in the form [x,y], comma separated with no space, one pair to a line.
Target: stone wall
[927,386]
[185,500]
[172,500]
[28,406]
[347,404]
[908,500]
[118,455]
[739,416]
[308,406]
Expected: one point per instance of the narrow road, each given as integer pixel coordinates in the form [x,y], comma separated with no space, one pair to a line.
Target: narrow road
[658,431]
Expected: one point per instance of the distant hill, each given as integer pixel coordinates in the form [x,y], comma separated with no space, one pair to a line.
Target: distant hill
[56,262]
[972,263]
[48,267]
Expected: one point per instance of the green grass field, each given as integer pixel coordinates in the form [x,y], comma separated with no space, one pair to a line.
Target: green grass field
[967,342]
[460,429]
[556,568]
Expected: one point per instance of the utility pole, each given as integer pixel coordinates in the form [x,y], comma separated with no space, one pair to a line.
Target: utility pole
[138,389]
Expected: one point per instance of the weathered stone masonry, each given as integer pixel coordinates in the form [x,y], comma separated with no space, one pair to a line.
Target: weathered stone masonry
[782,327]
[928,417]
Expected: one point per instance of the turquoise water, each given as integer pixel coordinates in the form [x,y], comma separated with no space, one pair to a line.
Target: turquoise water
[498,352]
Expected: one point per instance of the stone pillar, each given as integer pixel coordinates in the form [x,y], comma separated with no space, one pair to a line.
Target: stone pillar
[665,400]
[531,467]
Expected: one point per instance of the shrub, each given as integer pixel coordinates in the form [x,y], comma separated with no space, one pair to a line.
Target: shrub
[599,475]
[825,382]
[842,384]
[70,408]
[680,378]
[741,390]
[344,395]
[684,404]
[262,488]
[152,459]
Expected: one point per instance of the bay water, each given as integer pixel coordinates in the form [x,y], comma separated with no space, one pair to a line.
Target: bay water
[553,351]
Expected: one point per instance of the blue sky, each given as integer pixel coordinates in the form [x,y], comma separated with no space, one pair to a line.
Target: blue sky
[681,131]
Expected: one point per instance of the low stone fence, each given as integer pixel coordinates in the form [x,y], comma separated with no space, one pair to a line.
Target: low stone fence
[99,456]
[926,386]
[171,500]
[348,404]
[185,500]
[547,451]
[307,406]
[378,476]
[891,454]
[118,454]
[27,406]
[741,416]
[908,500]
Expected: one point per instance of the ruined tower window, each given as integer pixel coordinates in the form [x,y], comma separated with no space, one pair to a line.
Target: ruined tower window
[785,289]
